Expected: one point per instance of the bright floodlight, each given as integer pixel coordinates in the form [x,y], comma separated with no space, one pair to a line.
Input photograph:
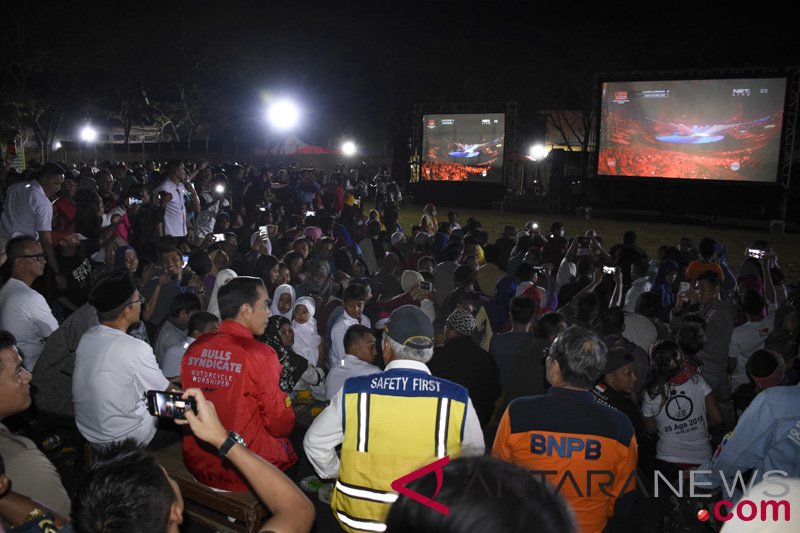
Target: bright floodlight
[283,114]
[57,145]
[88,134]
[349,148]
[538,152]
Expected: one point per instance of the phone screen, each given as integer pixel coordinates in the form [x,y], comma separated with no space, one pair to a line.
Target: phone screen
[684,286]
[167,404]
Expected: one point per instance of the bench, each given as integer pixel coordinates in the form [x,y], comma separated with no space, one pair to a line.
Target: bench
[208,507]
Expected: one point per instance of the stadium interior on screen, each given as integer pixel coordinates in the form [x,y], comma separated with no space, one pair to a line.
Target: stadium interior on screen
[463,147]
[692,129]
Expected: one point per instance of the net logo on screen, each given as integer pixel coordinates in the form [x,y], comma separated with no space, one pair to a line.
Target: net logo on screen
[741,92]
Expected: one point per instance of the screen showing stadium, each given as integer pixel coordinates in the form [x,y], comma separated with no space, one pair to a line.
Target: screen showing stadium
[463,147]
[726,130]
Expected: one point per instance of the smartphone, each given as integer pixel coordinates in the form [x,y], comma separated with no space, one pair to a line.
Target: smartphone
[134,201]
[168,404]
[185,261]
[264,232]
[219,237]
[684,286]
[311,213]
[426,285]
[609,270]
[755,253]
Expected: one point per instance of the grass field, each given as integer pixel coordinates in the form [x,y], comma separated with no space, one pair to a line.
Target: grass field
[651,234]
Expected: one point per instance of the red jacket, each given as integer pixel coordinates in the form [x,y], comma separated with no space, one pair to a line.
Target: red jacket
[240,376]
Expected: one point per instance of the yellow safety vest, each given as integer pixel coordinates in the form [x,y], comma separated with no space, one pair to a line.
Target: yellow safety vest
[394,423]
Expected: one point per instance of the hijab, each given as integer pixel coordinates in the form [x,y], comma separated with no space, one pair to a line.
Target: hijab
[306,338]
[323,289]
[223,276]
[119,257]
[293,365]
[282,289]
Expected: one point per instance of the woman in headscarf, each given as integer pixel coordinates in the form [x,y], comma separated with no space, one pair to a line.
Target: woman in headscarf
[297,373]
[307,341]
[662,286]
[283,301]
[222,278]
[125,257]
[319,282]
[498,309]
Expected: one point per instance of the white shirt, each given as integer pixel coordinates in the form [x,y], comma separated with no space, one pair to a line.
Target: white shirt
[682,422]
[113,372]
[326,432]
[638,287]
[350,366]
[171,364]
[175,212]
[26,211]
[25,313]
[338,330]
[745,340]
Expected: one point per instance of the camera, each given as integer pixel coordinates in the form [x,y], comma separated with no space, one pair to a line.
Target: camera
[168,404]
[426,286]
[609,270]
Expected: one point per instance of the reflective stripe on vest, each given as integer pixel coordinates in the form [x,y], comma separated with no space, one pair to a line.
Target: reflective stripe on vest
[364,493]
[362,525]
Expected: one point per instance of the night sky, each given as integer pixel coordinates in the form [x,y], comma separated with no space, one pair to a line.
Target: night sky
[354,71]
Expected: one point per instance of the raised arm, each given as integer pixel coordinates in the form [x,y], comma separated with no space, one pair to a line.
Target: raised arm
[291,509]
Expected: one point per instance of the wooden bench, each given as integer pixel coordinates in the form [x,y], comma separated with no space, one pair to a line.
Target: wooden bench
[208,507]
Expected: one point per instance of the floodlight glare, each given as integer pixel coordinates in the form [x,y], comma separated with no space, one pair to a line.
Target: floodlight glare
[57,145]
[88,134]
[349,148]
[538,152]
[283,114]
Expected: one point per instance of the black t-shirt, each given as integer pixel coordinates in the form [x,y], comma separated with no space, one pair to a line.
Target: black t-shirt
[606,395]
[78,272]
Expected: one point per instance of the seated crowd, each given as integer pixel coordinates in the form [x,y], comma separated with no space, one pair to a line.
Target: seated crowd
[252,290]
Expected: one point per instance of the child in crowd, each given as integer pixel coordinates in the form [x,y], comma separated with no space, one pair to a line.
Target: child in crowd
[307,341]
[354,298]
[283,301]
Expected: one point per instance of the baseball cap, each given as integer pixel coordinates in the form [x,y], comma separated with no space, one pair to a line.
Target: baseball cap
[410,326]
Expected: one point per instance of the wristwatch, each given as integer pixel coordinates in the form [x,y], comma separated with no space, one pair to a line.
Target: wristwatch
[233,438]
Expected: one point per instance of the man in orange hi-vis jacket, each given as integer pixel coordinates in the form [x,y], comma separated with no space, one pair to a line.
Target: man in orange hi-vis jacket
[586,451]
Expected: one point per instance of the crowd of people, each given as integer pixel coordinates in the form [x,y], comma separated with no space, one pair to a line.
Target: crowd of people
[250,289]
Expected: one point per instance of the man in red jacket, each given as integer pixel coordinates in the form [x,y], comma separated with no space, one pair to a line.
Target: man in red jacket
[241,376]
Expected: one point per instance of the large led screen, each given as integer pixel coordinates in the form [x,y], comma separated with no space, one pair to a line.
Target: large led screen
[463,147]
[727,129]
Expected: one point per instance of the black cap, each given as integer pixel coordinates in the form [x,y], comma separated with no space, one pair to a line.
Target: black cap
[620,353]
[411,327]
[112,290]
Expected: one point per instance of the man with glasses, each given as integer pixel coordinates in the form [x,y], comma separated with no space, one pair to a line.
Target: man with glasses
[114,371]
[27,211]
[23,311]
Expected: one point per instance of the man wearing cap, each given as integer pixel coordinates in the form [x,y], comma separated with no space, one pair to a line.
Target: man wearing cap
[114,371]
[390,424]
[462,361]
[618,384]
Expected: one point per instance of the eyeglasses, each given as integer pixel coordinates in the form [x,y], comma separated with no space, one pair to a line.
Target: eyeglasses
[139,301]
[38,257]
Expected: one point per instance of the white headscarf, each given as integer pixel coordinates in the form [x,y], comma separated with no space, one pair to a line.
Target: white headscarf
[306,338]
[223,277]
[288,289]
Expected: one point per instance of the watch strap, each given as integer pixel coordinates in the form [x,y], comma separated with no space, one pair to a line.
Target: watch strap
[233,439]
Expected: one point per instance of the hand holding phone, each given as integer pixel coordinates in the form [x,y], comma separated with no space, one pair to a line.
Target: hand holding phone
[169,404]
